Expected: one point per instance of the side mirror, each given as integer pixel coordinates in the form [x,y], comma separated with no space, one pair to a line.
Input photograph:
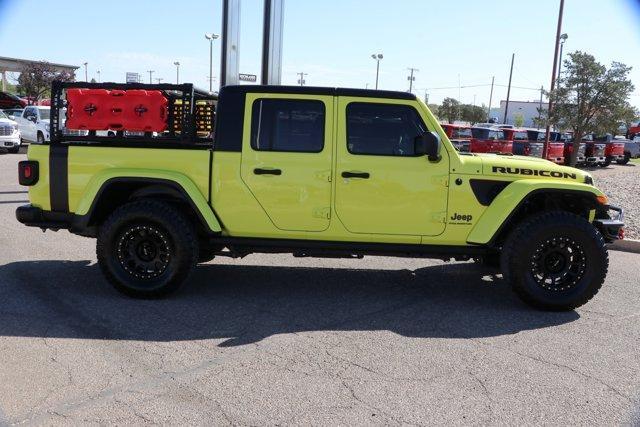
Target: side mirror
[32,119]
[428,145]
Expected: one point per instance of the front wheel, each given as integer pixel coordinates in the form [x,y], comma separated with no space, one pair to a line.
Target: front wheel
[14,150]
[555,261]
[606,163]
[147,249]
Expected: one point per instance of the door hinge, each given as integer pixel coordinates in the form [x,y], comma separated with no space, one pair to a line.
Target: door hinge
[324,213]
[441,180]
[324,175]
[439,217]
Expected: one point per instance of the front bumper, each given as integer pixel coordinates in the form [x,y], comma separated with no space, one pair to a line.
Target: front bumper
[10,141]
[611,227]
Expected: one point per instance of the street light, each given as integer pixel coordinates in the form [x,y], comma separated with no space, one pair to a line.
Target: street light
[159,79]
[86,75]
[177,64]
[377,57]
[211,37]
[563,38]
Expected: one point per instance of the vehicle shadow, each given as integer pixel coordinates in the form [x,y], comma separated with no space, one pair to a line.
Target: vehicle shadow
[245,304]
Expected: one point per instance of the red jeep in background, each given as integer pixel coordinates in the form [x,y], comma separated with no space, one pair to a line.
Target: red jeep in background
[490,140]
[614,150]
[522,144]
[633,131]
[459,135]
[595,152]
[534,146]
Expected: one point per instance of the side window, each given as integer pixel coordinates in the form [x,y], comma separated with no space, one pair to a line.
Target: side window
[383,129]
[28,112]
[288,125]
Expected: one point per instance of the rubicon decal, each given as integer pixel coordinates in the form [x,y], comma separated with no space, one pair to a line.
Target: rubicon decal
[533,172]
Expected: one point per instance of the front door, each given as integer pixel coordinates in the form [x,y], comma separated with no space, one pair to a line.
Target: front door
[382,186]
[286,161]
[30,115]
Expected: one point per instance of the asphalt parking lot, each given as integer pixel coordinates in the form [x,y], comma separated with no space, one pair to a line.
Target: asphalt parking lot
[272,339]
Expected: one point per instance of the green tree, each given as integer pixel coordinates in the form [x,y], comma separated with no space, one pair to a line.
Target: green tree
[449,110]
[473,113]
[35,79]
[590,97]
[518,120]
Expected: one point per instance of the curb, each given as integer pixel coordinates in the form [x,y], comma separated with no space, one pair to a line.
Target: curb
[626,245]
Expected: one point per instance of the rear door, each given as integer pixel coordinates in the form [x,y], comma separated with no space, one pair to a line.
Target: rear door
[286,161]
[382,186]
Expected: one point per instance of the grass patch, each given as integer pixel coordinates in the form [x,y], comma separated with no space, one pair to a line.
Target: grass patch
[636,161]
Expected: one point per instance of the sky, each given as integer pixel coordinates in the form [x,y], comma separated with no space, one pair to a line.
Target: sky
[453,44]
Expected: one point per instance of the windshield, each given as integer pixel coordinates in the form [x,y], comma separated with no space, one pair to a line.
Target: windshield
[461,133]
[520,136]
[45,114]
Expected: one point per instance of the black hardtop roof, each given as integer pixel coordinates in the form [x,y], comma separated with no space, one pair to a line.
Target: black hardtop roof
[312,90]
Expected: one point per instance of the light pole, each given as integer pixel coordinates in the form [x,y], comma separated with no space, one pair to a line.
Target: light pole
[211,37]
[159,79]
[177,64]
[545,147]
[301,80]
[563,38]
[86,75]
[377,57]
[150,76]
[98,72]
[411,78]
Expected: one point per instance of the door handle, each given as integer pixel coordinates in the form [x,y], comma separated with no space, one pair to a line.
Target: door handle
[363,175]
[261,171]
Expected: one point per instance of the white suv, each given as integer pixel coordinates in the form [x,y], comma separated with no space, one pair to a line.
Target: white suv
[9,134]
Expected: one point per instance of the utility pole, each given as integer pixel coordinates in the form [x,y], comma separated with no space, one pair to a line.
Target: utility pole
[377,57]
[211,37]
[474,99]
[540,109]
[177,64]
[506,107]
[86,75]
[490,99]
[411,78]
[301,80]
[98,72]
[426,97]
[545,148]
[159,80]
[150,76]
[563,39]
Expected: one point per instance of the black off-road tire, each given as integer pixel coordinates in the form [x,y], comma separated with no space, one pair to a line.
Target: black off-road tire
[606,163]
[540,246]
[147,249]
[489,260]
[627,157]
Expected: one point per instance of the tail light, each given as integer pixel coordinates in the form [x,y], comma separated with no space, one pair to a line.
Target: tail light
[28,172]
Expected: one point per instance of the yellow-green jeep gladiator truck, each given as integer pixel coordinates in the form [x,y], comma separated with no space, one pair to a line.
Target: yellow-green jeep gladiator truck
[315,172]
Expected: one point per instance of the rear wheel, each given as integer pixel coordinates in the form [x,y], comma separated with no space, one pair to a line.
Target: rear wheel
[624,161]
[555,261]
[147,249]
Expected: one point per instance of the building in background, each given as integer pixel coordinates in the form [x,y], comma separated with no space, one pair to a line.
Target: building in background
[528,110]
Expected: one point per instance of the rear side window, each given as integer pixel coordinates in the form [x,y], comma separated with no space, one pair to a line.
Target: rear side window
[383,129]
[288,125]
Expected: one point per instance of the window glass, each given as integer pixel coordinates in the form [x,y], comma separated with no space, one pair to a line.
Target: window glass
[520,136]
[461,133]
[383,129]
[288,125]
[45,113]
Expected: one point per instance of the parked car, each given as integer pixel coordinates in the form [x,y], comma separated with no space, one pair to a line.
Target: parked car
[459,135]
[34,124]
[595,151]
[8,100]
[9,134]
[581,156]
[530,142]
[522,144]
[614,149]
[633,131]
[489,140]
